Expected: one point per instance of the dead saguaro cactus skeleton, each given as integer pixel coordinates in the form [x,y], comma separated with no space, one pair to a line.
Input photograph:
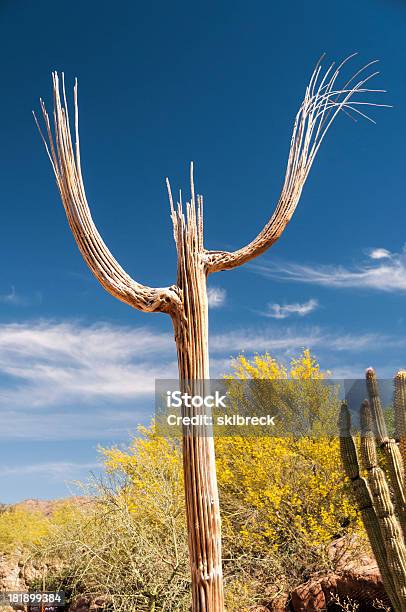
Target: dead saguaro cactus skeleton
[186,300]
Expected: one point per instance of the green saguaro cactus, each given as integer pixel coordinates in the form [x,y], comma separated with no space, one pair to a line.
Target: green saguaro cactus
[394,459]
[381,501]
[400,412]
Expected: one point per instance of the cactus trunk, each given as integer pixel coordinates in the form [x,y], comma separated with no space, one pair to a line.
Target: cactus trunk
[199,467]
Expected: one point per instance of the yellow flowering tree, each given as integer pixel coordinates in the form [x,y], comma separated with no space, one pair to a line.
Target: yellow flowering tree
[288,489]
[20,528]
[283,499]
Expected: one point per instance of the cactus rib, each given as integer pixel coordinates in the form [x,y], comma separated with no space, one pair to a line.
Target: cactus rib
[364,500]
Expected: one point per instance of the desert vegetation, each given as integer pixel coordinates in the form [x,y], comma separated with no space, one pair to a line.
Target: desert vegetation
[284,501]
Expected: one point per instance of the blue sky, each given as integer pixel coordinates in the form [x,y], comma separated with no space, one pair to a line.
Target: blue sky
[159,85]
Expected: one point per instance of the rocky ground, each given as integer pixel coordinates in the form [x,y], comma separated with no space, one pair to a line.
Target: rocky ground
[360,581]
[361,584]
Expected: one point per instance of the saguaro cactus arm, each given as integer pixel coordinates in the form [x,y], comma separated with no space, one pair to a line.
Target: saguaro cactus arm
[384,508]
[363,496]
[321,105]
[388,445]
[400,412]
[65,160]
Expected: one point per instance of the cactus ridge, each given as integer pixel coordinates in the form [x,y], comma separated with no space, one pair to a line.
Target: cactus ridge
[400,412]
[364,500]
[381,500]
[394,460]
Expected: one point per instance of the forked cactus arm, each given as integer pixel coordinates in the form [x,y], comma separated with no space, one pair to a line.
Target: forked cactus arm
[65,160]
[321,105]
[364,501]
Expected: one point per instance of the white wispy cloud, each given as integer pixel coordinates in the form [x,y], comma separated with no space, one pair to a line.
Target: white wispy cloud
[290,339]
[67,380]
[383,271]
[283,311]
[55,469]
[216,297]
[59,363]
[67,363]
[92,423]
[380,254]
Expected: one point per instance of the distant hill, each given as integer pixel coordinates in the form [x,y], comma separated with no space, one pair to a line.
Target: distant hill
[46,506]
